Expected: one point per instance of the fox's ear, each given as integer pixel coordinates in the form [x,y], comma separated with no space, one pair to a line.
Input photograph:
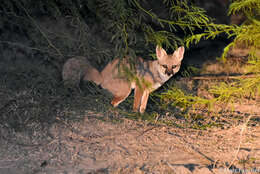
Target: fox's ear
[160,52]
[179,53]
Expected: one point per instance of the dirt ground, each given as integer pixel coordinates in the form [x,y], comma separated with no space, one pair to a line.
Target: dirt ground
[101,146]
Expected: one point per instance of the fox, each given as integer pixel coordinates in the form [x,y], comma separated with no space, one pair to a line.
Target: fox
[151,75]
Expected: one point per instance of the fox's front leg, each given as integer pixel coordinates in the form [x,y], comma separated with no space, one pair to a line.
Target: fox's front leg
[144,100]
[137,98]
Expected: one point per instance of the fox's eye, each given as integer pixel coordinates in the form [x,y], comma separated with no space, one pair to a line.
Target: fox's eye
[165,66]
[174,66]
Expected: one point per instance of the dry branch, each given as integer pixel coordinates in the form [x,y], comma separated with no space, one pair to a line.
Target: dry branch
[221,77]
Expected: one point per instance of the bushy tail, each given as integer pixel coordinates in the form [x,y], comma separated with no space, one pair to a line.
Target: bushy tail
[78,68]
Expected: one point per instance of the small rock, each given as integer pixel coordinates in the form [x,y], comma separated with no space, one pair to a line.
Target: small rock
[203,170]
[180,170]
[221,171]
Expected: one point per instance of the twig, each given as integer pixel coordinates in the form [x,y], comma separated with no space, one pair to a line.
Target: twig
[145,131]
[43,34]
[240,141]
[32,48]
[192,147]
[6,105]
[220,77]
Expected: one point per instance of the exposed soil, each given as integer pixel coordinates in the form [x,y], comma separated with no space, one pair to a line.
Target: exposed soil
[101,146]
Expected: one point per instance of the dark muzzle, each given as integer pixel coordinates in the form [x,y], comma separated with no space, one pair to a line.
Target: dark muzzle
[169,72]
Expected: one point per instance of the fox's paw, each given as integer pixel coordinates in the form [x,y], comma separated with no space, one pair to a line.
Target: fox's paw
[135,109]
[142,110]
[116,100]
[113,103]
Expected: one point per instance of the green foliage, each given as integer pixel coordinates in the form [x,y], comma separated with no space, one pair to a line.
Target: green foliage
[224,94]
[248,33]
[235,91]
[176,97]
[248,7]
[103,29]
[132,24]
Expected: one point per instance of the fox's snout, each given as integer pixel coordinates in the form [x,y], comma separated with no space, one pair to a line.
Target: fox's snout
[168,71]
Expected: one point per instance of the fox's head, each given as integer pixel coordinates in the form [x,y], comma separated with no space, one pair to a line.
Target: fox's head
[169,63]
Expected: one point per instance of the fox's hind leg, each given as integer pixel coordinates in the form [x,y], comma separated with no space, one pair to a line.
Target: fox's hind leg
[118,99]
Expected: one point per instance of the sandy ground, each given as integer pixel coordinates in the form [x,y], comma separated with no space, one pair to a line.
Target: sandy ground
[96,146]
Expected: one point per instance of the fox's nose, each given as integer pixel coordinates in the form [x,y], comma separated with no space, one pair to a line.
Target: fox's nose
[169,72]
